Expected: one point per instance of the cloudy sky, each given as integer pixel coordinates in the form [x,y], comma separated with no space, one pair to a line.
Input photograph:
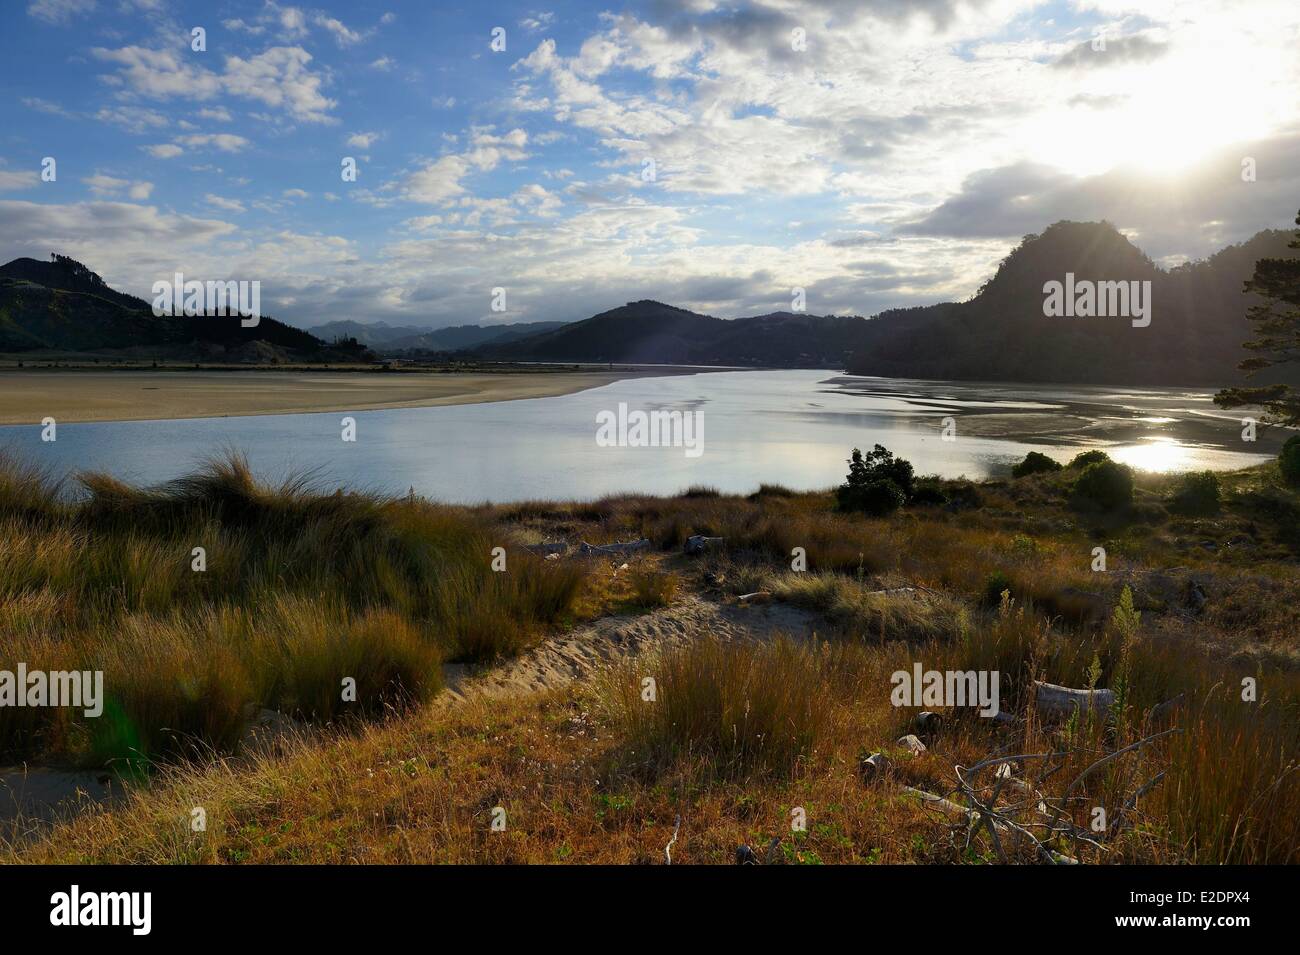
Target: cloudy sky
[714,155]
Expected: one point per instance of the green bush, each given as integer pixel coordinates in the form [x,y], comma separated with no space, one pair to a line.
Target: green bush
[1289,460]
[877,482]
[1035,463]
[929,493]
[875,497]
[997,583]
[1089,457]
[1197,493]
[1105,484]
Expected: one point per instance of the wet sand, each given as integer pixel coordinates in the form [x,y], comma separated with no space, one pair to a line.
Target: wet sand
[29,395]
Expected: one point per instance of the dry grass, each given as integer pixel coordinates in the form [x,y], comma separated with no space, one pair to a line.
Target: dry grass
[738,734]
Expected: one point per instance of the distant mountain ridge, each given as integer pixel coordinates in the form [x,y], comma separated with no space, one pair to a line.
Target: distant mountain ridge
[1001,333]
[392,339]
[62,306]
[652,332]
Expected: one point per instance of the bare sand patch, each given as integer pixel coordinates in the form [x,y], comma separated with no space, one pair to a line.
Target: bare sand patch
[576,655]
[28,395]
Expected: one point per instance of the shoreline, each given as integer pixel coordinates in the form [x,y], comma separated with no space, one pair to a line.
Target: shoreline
[81,395]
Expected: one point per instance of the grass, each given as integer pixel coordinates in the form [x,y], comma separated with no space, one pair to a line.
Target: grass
[298,591]
[734,736]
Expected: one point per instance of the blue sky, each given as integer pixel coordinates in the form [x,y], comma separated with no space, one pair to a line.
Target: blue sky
[876,153]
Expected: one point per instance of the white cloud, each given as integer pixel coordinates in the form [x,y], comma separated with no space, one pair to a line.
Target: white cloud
[59,11]
[362,140]
[342,35]
[11,179]
[226,142]
[227,205]
[164,150]
[109,187]
[280,77]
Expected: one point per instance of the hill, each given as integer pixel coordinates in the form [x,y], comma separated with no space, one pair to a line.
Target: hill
[63,307]
[1197,318]
[396,339]
[650,332]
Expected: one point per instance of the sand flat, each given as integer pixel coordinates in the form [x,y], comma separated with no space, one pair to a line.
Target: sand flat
[28,395]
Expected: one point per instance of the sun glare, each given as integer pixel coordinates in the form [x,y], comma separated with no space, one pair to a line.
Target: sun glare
[1164,117]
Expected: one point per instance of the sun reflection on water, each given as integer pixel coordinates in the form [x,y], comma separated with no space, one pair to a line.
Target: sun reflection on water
[1155,454]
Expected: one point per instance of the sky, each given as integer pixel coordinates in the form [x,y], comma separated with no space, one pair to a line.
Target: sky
[716,156]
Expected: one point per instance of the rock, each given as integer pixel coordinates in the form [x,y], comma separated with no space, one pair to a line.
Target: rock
[912,744]
[1195,596]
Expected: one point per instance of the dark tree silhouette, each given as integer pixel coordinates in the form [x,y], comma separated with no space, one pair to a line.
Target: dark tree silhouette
[1277,339]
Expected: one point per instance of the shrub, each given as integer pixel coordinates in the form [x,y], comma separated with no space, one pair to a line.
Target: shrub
[877,482]
[995,586]
[1105,484]
[876,498]
[1089,457]
[1036,463]
[929,493]
[1197,493]
[1289,460]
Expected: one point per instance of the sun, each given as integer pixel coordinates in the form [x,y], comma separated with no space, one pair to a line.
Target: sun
[1164,117]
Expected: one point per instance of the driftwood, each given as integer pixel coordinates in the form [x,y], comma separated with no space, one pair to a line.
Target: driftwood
[997,828]
[1052,701]
[617,549]
[758,596]
[874,768]
[912,744]
[698,543]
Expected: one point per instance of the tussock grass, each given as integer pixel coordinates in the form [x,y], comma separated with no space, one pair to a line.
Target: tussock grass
[302,590]
[744,709]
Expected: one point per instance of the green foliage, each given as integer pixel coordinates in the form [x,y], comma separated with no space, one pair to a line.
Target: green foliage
[1107,485]
[1197,493]
[1035,463]
[1089,457]
[995,586]
[1289,460]
[877,483]
[1276,319]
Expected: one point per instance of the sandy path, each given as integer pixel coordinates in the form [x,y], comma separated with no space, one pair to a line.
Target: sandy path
[576,655]
[29,395]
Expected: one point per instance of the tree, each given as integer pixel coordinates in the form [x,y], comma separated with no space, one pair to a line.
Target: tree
[1276,341]
[877,483]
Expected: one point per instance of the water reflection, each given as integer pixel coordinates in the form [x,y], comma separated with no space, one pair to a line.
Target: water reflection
[787,427]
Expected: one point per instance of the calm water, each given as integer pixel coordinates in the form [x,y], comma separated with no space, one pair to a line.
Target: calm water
[787,427]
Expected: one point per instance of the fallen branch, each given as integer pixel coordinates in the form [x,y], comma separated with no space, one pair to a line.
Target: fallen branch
[614,550]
